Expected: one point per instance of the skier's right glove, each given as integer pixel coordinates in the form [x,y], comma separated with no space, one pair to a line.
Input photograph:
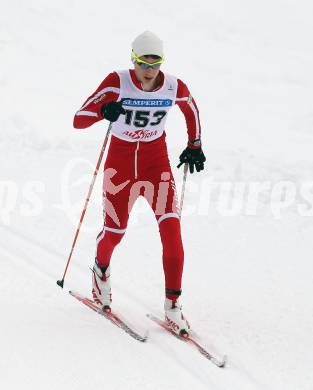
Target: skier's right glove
[111,111]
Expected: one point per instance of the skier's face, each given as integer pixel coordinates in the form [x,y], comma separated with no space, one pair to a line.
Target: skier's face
[146,75]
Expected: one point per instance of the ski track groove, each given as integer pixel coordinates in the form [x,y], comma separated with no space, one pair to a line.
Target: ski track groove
[28,250]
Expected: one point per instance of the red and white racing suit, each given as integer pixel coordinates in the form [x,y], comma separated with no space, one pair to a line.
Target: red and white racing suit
[137,162]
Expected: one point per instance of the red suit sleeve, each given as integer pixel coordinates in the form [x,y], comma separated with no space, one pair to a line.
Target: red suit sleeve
[188,106]
[89,113]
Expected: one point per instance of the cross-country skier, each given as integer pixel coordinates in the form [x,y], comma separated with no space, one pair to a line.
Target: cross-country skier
[137,102]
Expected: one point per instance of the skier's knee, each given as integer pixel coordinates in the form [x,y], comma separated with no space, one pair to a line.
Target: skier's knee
[113,238]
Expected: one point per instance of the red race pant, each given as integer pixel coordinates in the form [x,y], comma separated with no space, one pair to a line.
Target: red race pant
[135,169]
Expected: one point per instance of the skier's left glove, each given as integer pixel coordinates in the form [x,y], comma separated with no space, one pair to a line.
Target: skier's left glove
[194,158]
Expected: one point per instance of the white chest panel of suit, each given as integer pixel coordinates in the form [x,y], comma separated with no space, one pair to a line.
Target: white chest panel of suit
[146,112]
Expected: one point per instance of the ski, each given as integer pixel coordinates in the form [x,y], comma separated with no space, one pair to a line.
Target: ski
[189,340]
[111,316]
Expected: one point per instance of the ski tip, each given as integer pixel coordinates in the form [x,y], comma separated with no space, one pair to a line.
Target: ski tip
[145,337]
[222,363]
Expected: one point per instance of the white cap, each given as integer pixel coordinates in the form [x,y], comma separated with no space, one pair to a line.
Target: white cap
[148,43]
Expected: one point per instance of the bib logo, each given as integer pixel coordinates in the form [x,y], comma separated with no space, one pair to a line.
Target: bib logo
[140,134]
[148,102]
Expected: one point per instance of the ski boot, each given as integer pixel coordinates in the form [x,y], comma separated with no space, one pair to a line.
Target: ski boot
[174,317]
[101,286]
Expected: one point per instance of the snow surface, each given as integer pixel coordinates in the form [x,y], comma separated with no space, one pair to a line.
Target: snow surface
[248,276]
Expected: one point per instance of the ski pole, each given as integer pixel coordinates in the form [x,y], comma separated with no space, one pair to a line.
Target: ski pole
[61,282]
[183,189]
